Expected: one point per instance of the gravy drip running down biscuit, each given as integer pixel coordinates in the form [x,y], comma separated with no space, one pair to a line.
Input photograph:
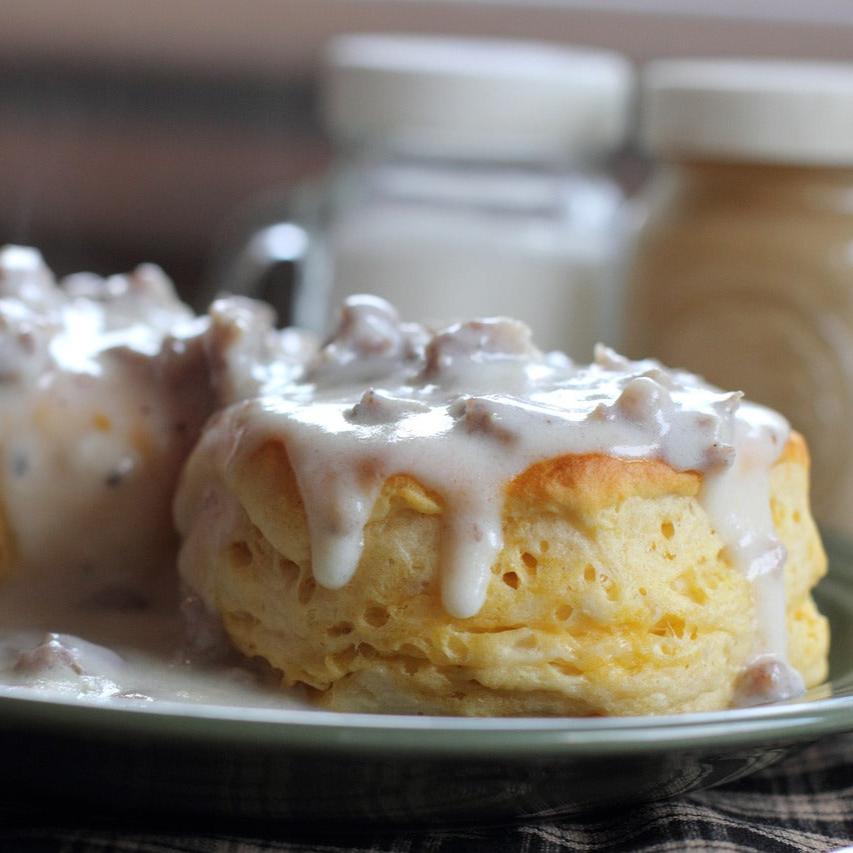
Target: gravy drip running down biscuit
[466,411]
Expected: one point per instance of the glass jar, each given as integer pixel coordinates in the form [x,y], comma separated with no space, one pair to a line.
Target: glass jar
[468,183]
[743,267]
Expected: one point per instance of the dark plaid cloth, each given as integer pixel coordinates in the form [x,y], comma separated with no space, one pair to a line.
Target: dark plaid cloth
[803,804]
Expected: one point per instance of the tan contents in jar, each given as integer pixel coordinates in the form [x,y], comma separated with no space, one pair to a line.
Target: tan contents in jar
[743,273]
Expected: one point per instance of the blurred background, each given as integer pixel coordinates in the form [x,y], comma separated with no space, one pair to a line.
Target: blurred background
[135,129]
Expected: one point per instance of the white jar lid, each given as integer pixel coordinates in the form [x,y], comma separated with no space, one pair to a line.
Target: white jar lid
[476,97]
[755,110]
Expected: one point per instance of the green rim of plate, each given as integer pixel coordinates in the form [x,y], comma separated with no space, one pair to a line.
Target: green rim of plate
[827,709]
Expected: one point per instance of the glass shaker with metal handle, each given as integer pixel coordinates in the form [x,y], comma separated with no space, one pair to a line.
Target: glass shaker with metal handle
[469,182]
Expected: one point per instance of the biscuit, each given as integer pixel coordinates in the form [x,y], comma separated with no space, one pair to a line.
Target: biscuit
[613,591]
